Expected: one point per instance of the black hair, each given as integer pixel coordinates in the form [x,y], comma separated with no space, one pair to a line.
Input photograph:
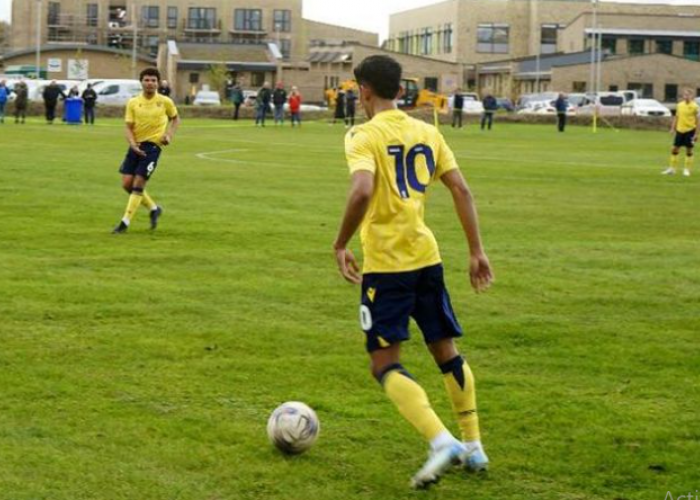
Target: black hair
[149,72]
[382,74]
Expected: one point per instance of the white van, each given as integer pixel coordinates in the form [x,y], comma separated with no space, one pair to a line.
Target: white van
[117,92]
[607,104]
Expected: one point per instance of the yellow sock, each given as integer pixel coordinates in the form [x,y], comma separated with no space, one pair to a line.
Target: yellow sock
[148,202]
[135,200]
[412,402]
[689,162]
[674,161]
[459,382]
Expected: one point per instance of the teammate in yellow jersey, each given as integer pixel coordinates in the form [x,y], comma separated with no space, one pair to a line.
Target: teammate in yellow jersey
[151,121]
[393,160]
[685,131]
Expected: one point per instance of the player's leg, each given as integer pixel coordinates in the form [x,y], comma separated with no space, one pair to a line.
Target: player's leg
[673,161]
[435,316]
[689,157]
[387,301]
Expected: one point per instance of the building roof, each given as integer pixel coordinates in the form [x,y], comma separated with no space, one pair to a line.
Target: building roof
[236,57]
[546,63]
[225,53]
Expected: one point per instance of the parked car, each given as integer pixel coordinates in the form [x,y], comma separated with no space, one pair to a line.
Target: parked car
[117,92]
[576,100]
[607,104]
[546,108]
[530,101]
[505,104]
[645,107]
[207,98]
[472,104]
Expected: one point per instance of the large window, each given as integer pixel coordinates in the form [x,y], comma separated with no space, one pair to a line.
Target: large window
[257,79]
[646,90]
[54,15]
[92,14]
[172,18]
[150,14]
[670,93]
[286,48]
[447,39]
[609,45]
[691,50]
[493,39]
[282,21]
[201,19]
[426,41]
[635,46]
[248,20]
[548,38]
[152,43]
[664,46]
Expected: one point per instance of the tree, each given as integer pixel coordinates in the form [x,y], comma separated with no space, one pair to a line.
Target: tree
[218,75]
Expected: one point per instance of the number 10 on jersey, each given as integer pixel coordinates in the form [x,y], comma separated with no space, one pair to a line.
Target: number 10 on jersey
[406,167]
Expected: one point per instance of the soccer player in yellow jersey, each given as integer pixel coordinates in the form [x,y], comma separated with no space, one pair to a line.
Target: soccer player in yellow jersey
[151,121]
[685,130]
[393,160]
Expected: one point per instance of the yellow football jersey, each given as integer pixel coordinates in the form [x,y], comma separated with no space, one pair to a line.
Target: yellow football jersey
[150,117]
[687,116]
[406,156]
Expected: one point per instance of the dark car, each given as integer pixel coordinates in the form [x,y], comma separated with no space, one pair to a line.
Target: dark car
[505,104]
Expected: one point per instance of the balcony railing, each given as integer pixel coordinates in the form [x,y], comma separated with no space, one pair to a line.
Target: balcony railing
[203,25]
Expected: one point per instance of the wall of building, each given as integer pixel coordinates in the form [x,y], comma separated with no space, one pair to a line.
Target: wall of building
[523,17]
[436,17]
[332,34]
[101,64]
[574,38]
[656,69]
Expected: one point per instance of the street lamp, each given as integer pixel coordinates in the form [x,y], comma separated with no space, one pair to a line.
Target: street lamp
[37,67]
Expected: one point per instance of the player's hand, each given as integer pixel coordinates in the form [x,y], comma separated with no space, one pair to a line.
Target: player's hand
[166,140]
[480,273]
[347,265]
[136,148]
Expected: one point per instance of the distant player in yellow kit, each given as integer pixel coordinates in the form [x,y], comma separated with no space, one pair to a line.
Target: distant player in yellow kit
[685,130]
[151,121]
[393,160]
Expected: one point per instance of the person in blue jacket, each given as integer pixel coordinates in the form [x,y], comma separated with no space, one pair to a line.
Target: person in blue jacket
[4,96]
[561,105]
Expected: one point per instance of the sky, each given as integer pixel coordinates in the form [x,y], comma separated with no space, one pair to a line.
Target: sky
[370,15]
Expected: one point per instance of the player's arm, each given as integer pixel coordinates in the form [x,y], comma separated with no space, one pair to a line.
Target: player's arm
[358,201]
[480,272]
[172,129]
[673,124]
[131,139]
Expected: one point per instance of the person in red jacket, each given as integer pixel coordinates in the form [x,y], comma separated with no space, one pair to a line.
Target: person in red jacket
[295,106]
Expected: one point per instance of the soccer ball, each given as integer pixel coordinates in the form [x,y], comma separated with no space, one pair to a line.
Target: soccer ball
[293,427]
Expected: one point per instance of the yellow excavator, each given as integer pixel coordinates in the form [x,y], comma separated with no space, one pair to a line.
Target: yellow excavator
[415,97]
[412,98]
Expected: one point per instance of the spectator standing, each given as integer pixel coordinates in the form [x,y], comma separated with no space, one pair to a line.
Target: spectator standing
[561,105]
[51,94]
[350,108]
[230,85]
[74,92]
[490,107]
[339,106]
[89,102]
[237,100]
[21,100]
[262,103]
[164,88]
[4,96]
[279,99]
[457,108]
[295,106]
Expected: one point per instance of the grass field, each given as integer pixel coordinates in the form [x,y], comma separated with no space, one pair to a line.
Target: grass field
[144,367]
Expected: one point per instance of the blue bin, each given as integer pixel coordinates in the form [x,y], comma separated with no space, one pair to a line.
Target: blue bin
[74,111]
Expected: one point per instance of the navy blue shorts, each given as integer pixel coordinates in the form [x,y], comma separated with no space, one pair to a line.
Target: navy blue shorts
[389,300]
[144,166]
[684,140]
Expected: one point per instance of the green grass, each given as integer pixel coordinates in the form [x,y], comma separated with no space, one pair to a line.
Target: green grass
[145,366]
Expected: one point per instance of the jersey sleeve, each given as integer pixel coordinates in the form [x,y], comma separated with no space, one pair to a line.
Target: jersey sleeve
[129,116]
[445,160]
[170,108]
[358,151]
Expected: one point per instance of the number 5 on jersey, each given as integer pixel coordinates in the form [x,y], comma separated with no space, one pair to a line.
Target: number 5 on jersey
[406,174]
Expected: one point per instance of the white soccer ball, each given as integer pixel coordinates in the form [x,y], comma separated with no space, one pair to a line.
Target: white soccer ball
[293,427]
